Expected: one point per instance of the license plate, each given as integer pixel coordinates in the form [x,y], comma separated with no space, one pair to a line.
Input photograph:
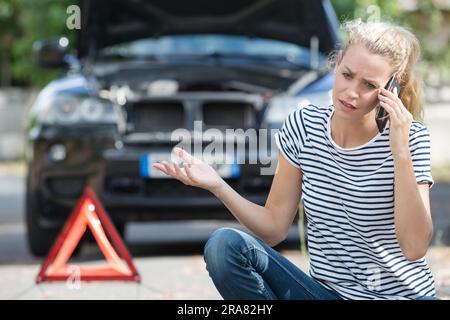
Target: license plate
[225,170]
[145,165]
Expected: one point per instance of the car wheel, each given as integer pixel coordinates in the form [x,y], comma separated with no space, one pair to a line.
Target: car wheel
[40,239]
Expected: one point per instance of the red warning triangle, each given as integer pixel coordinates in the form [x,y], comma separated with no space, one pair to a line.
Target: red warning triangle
[88,212]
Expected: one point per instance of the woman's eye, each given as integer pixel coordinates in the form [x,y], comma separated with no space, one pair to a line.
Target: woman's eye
[346,75]
[370,86]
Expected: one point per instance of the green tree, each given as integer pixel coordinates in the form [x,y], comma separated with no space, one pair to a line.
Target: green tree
[22,22]
[9,32]
[366,9]
[426,21]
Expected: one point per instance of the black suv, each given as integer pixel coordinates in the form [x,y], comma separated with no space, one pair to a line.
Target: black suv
[145,68]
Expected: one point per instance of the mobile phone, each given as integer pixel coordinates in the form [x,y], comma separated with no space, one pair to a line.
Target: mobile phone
[381,117]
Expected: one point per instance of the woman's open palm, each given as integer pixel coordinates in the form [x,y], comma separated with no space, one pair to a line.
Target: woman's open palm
[193,173]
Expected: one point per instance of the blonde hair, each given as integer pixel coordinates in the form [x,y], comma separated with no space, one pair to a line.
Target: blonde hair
[402,49]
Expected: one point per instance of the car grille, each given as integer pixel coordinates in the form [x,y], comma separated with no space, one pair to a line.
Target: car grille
[118,182]
[159,188]
[167,116]
[228,115]
[157,116]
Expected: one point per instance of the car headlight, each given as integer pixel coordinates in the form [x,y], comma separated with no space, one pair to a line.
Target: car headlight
[68,110]
[64,110]
[93,110]
[281,106]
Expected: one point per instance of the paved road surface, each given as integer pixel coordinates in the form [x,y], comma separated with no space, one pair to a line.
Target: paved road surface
[167,255]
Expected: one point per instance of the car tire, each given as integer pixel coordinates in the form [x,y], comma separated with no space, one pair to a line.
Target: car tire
[40,239]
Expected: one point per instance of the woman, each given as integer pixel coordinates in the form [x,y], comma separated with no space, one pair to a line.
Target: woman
[365,192]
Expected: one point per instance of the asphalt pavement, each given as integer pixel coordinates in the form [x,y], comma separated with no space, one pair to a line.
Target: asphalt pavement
[168,256]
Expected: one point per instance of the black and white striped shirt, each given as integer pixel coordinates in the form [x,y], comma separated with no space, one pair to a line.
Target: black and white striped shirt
[348,196]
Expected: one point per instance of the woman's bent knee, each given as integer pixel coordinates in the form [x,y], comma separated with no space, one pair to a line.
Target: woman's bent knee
[220,242]
[221,250]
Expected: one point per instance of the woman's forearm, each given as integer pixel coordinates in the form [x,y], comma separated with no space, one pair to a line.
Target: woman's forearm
[412,220]
[256,218]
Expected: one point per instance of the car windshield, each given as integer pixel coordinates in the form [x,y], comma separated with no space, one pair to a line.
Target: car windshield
[209,45]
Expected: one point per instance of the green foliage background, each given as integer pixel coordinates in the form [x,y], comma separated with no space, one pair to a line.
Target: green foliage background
[22,22]
[427,21]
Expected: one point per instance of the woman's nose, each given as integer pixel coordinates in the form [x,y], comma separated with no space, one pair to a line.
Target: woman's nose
[352,94]
[352,91]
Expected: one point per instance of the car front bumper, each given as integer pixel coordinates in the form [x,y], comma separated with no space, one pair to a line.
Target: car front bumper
[114,174]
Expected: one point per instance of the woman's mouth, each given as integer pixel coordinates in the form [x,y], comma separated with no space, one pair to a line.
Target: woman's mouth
[347,107]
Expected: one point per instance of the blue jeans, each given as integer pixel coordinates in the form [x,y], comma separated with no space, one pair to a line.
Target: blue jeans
[243,267]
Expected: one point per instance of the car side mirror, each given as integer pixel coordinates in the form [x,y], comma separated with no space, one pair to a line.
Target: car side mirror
[51,53]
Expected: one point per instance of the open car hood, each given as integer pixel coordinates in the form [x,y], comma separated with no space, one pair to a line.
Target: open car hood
[109,22]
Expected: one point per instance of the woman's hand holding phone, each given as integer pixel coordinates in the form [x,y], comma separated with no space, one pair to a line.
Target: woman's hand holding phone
[193,173]
[381,116]
[400,120]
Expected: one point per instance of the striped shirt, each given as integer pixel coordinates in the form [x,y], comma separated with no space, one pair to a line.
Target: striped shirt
[348,197]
